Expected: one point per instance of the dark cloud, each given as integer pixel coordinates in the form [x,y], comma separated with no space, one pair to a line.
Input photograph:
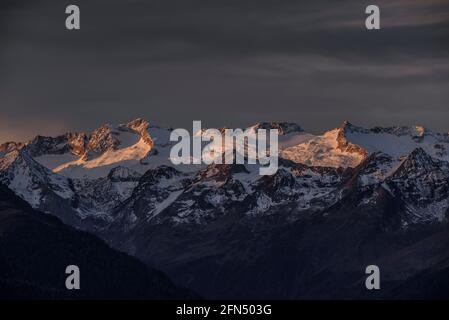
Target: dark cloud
[223,62]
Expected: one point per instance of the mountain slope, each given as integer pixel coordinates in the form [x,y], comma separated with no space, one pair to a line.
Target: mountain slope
[36,248]
[338,202]
[348,145]
[314,257]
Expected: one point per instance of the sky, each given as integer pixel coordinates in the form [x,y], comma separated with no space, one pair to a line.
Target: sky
[224,62]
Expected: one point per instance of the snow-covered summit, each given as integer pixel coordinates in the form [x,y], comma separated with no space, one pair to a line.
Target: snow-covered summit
[31,181]
[331,149]
[81,155]
[349,144]
[400,141]
[123,174]
[283,128]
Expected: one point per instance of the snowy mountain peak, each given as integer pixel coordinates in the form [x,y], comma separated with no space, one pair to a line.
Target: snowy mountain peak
[88,146]
[158,174]
[81,155]
[121,173]
[284,128]
[348,145]
[345,145]
[8,159]
[419,160]
[141,126]
[331,149]
[101,140]
[138,146]
[75,143]
[10,146]
[138,124]
[348,127]
[400,141]
[31,181]
[412,131]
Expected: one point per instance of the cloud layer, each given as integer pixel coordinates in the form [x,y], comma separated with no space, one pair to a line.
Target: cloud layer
[223,62]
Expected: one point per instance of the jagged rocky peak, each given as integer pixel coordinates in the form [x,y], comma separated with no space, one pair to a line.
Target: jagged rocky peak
[374,162]
[21,158]
[418,161]
[413,131]
[75,143]
[138,125]
[371,171]
[281,179]
[344,144]
[103,139]
[421,181]
[31,181]
[8,159]
[107,137]
[220,172]
[159,173]
[10,146]
[121,173]
[348,127]
[78,142]
[283,127]
[141,126]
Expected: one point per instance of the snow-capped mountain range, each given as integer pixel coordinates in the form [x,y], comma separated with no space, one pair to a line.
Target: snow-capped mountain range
[95,174]
[118,182]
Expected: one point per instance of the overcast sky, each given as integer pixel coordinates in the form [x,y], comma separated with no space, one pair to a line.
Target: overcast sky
[225,62]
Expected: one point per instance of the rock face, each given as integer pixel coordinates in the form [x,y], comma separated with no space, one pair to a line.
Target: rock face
[344,145]
[338,202]
[35,250]
[71,142]
[283,128]
[10,146]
